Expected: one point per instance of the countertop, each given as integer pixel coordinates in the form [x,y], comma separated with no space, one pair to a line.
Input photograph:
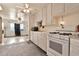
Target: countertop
[38,31]
[75,35]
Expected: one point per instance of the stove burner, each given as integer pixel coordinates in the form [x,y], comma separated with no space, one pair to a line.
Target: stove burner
[65,34]
[54,32]
[61,33]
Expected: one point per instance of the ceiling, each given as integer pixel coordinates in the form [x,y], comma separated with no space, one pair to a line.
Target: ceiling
[35,6]
[7,6]
[12,5]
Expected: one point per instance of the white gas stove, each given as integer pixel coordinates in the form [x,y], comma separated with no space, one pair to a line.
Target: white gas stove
[58,43]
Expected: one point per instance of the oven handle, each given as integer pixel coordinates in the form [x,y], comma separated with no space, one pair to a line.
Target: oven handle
[58,39]
[69,48]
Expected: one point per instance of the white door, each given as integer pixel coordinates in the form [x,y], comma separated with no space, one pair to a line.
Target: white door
[0,30]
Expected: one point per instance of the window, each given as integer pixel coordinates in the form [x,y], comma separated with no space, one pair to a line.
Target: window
[21,26]
[2,26]
[12,26]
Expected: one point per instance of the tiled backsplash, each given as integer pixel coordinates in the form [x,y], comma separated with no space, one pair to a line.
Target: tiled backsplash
[66,28]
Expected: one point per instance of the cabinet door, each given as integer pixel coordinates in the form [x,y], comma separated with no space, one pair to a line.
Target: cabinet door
[49,20]
[40,39]
[71,8]
[31,36]
[74,47]
[74,51]
[43,41]
[53,13]
[34,37]
[0,30]
[44,11]
[57,9]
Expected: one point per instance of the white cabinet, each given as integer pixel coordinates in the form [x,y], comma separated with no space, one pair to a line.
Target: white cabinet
[57,9]
[74,51]
[38,16]
[74,47]
[71,8]
[44,15]
[34,37]
[40,39]
[60,9]
[54,11]
[49,15]
[43,40]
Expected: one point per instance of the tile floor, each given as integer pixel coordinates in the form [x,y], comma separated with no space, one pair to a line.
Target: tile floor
[19,46]
[12,40]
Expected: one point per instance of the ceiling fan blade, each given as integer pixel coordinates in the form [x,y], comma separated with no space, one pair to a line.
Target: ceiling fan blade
[30,9]
[19,7]
[26,5]
[25,9]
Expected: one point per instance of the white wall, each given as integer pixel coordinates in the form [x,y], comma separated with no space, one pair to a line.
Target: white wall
[26,26]
[71,21]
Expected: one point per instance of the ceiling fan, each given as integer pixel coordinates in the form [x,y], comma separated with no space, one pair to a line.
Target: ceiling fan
[25,9]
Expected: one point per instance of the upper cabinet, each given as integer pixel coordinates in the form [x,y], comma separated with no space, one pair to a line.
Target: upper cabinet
[49,14]
[53,13]
[57,9]
[60,9]
[40,15]
[44,15]
[71,8]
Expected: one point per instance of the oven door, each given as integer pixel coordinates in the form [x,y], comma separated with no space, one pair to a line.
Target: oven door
[58,47]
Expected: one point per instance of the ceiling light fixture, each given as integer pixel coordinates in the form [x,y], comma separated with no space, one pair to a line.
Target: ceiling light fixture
[27,5]
[28,11]
[24,10]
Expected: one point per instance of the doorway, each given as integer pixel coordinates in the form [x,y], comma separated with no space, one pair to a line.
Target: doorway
[17,30]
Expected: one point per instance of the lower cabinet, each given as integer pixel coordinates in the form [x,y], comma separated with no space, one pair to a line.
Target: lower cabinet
[34,37]
[74,47]
[74,51]
[40,39]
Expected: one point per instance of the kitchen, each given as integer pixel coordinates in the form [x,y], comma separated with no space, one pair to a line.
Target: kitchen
[57,33]
[52,27]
